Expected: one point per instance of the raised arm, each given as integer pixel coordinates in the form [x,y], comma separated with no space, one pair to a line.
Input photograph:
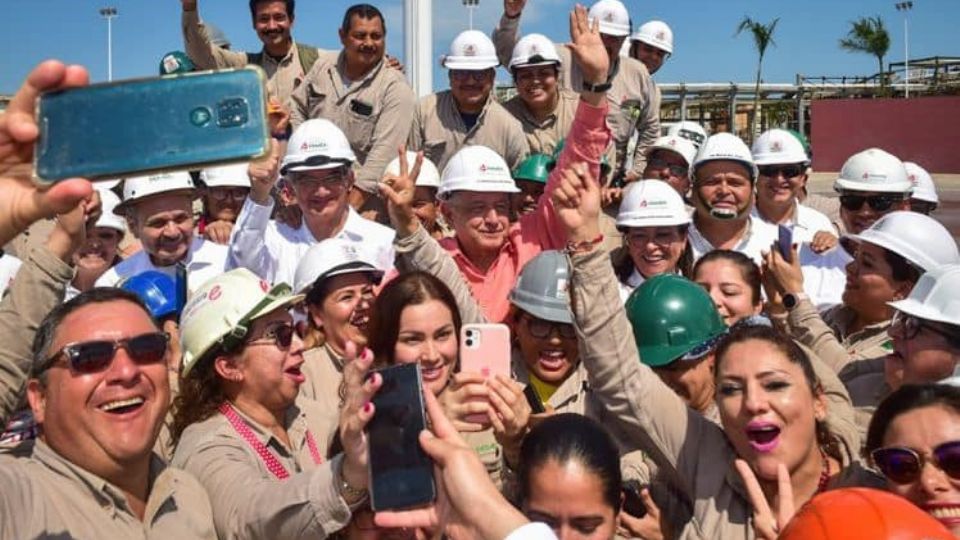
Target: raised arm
[202,53]
[505,34]
[248,247]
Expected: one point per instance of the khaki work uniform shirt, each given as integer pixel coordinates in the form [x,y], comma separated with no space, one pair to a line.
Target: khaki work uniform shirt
[323,369]
[248,500]
[46,496]
[374,112]
[633,98]
[686,446]
[283,75]
[439,131]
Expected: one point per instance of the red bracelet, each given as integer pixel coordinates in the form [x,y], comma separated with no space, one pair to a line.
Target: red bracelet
[585,246]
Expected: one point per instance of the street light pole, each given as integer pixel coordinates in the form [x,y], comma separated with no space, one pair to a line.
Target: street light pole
[109,13]
[471,7]
[905,7]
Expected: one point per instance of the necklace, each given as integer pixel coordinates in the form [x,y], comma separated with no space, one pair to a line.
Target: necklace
[824,473]
[273,464]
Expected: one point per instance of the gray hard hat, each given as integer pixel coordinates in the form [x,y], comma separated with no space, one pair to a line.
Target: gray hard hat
[216,36]
[541,289]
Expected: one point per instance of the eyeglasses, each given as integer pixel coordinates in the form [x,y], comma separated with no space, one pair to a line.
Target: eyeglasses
[912,325]
[281,334]
[879,203]
[541,329]
[222,194]
[86,357]
[660,163]
[478,75]
[902,465]
[788,171]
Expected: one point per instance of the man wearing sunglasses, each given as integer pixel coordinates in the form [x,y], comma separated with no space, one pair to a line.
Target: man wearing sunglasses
[872,183]
[318,164]
[467,113]
[669,159]
[99,391]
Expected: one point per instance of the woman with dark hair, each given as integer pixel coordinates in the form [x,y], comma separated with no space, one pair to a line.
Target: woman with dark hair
[733,281]
[569,477]
[914,440]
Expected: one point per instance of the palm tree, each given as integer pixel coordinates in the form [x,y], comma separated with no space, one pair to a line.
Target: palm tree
[868,35]
[762,38]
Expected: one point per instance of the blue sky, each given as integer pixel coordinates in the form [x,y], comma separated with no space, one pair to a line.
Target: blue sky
[705,47]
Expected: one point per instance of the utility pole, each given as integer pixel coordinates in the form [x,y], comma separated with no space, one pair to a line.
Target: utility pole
[109,13]
[905,7]
[418,45]
[471,7]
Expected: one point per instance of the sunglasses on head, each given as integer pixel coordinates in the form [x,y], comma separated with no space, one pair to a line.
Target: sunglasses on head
[87,357]
[879,203]
[903,465]
[788,171]
[281,334]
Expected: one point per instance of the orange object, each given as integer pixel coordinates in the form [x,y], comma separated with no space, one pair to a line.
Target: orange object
[861,513]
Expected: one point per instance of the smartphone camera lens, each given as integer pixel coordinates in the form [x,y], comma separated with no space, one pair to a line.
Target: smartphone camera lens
[469,343]
[232,112]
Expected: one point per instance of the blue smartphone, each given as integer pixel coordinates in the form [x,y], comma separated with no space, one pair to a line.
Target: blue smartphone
[785,242]
[141,126]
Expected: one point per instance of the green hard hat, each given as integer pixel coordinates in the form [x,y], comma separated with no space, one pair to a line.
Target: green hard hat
[536,168]
[175,62]
[672,317]
[541,289]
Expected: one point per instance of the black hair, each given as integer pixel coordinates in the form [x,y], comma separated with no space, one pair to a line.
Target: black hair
[749,270]
[290,5]
[782,342]
[572,437]
[907,398]
[363,11]
[900,268]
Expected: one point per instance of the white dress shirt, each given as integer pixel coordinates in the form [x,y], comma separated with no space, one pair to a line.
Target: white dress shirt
[204,260]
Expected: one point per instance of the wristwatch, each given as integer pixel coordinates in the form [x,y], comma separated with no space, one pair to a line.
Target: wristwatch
[792,300]
[599,88]
[351,495]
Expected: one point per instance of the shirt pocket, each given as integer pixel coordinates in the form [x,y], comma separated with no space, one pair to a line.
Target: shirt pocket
[359,128]
[316,101]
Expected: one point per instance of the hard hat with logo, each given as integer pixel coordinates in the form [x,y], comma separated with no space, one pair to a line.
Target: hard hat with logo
[108,203]
[873,170]
[778,146]
[157,290]
[691,131]
[612,17]
[333,257]
[935,297]
[221,312]
[429,175]
[724,147]
[476,168]
[471,50]
[226,176]
[141,187]
[673,318]
[651,203]
[534,50]
[535,168]
[541,289]
[917,238]
[175,62]
[679,145]
[317,144]
[656,34]
[844,514]
[923,186]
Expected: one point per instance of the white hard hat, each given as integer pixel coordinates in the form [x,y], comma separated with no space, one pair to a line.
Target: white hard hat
[534,50]
[333,257]
[141,187]
[471,50]
[656,34]
[778,146]
[724,147]
[227,176]
[674,143]
[108,202]
[691,131]
[917,238]
[429,175]
[612,17]
[317,144]
[476,168]
[873,170]
[222,310]
[651,203]
[935,297]
[923,186]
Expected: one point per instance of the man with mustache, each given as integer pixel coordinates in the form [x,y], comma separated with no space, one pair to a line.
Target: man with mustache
[357,91]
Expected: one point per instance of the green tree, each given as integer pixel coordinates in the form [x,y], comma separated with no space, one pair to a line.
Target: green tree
[869,35]
[762,38]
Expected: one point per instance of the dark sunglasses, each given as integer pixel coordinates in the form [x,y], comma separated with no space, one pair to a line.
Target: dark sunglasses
[903,465]
[676,170]
[541,329]
[87,357]
[478,75]
[281,334]
[788,171]
[879,203]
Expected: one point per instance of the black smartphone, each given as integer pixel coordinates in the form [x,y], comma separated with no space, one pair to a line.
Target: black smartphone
[536,406]
[632,503]
[785,242]
[401,473]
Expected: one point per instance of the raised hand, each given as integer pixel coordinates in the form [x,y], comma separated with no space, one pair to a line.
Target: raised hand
[576,200]
[466,402]
[787,275]
[188,5]
[587,47]
[823,241]
[399,190]
[766,524]
[356,413]
[513,8]
[218,231]
[264,173]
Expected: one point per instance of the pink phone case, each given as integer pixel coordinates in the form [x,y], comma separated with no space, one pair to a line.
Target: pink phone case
[485,349]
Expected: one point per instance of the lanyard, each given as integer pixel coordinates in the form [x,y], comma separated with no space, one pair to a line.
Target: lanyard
[271,461]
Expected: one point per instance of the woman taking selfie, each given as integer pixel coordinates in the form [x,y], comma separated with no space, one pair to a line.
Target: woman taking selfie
[240,429]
